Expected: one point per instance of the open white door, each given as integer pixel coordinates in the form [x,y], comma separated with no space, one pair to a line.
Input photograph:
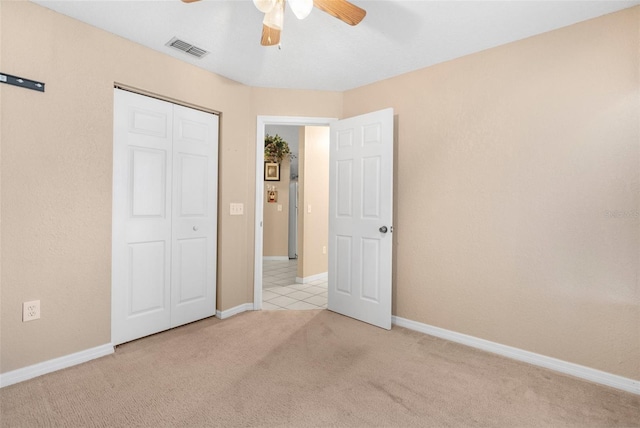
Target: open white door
[361,216]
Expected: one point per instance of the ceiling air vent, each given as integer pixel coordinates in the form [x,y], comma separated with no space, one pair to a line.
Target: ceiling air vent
[186,47]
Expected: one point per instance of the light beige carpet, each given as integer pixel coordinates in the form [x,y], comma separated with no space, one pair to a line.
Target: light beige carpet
[308,368]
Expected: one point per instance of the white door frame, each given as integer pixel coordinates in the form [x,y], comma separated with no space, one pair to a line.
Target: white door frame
[262,122]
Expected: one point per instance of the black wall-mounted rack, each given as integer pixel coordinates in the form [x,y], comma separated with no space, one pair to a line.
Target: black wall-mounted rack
[22,82]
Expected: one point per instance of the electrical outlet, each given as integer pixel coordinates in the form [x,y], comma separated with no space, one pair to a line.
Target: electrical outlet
[279,207]
[324,249]
[31,310]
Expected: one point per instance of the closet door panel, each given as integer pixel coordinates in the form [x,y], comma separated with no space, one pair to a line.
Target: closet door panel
[146,285]
[193,196]
[141,241]
[192,270]
[194,236]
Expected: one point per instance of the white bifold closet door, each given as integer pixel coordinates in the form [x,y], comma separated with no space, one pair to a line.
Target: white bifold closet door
[165,169]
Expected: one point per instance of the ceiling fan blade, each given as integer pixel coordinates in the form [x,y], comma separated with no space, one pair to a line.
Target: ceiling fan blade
[270,36]
[341,9]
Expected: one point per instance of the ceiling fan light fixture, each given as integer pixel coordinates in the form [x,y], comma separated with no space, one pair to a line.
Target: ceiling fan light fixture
[265,6]
[301,8]
[275,18]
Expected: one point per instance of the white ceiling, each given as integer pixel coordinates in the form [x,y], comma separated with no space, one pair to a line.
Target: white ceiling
[322,52]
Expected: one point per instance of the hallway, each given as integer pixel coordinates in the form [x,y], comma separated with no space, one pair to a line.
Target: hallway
[280,290]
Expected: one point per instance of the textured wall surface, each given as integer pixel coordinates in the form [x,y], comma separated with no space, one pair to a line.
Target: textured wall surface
[314,183]
[518,182]
[56,174]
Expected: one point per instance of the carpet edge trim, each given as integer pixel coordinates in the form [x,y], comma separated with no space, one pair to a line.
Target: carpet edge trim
[565,367]
[50,366]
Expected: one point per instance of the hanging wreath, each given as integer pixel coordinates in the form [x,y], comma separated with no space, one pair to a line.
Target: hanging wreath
[276,149]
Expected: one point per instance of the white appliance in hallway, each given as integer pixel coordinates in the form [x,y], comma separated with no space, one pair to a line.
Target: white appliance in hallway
[293,219]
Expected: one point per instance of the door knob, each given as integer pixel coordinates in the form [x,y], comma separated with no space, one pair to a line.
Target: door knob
[195,228]
[383,229]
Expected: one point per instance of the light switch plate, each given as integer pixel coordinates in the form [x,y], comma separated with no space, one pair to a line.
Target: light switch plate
[236,208]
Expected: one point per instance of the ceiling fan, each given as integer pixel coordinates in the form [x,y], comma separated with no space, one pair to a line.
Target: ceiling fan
[274,14]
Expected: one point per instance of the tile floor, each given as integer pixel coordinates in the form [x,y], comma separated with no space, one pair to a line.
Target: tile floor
[280,290]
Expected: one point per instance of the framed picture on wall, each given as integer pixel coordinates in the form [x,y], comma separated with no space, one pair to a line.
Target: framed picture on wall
[271,171]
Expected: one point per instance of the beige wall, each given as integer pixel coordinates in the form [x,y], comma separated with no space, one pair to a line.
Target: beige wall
[276,223]
[314,192]
[288,102]
[508,162]
[56,174]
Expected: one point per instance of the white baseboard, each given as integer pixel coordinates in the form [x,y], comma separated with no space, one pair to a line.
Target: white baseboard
[234,311]
[593,375]
[307,279]
[275,258]
[26,373]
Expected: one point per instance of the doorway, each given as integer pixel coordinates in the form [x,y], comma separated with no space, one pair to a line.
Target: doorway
[360,250]
[290,282]
[280,208]
[259,270]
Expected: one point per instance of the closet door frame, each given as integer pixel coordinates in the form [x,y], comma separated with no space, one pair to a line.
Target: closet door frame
[144,231]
